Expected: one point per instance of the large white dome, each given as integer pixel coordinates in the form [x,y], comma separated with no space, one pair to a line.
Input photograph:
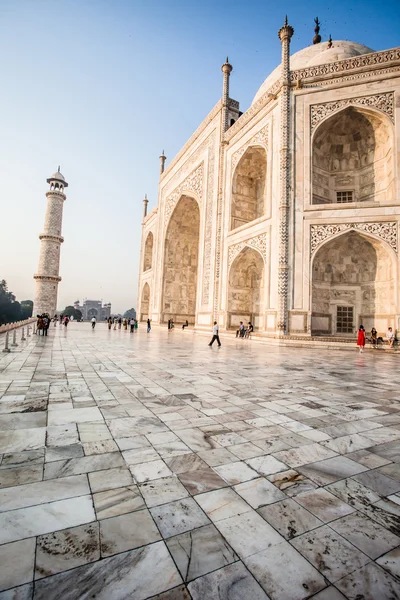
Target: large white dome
[318,54]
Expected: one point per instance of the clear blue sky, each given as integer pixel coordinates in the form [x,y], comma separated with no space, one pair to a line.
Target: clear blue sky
[101,87]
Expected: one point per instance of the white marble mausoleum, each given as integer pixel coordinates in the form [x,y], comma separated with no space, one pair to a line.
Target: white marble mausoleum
[286,215]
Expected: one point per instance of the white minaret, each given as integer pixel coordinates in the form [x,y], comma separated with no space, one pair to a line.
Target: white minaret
[47,277]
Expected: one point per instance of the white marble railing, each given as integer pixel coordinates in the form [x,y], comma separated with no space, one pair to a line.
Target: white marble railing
[16,325]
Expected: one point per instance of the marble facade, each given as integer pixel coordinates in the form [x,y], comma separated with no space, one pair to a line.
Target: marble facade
[311,167]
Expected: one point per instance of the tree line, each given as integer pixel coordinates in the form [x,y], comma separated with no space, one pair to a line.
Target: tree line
[10,309]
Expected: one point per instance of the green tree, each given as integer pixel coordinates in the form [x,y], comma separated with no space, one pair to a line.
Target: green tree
[70,311]
[10,309]
[130,314]
[26,309]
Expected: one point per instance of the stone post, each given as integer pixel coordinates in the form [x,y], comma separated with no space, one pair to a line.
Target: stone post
[163,158]
[6,348]
[285,34]
[23,338]
[14,342]
[226,70]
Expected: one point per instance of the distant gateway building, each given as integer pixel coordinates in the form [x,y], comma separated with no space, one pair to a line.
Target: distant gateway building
[94,308]
[286,215]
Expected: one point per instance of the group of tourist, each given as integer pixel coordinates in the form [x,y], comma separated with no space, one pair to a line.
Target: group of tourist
[243,331]
[43,322]
[374,339]
[120,323]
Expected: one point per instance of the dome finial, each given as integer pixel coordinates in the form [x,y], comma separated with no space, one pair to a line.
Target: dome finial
[317,38]
[286,20]
[58,170]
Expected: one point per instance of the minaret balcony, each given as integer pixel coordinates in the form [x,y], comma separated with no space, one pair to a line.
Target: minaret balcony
[51,238]
[52,278]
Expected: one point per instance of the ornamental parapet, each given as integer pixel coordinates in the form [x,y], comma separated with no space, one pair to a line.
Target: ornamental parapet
[56,193]
[51,238]
[53,278]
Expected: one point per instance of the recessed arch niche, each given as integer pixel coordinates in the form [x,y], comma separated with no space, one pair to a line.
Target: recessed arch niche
[148,252]
[249,187]
[246,289]
[145,303]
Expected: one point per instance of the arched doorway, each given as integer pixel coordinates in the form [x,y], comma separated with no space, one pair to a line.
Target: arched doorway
[352,158]
[246,289]
[145,303]
[181,257]
[353,283]
[92,312]
[148,252]
[248,187]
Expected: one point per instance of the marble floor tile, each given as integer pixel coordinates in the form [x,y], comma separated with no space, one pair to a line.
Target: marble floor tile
[392,470]
[40,492]
[17,563]
[186,463]
[266,465]
[201,480]
[140,455]
[55,453]
[353,493]
[331,469]
[296,457]
[259,492]
[171,449]
[378,482]
[62,435]
[127,532]
[289,518]
[100,447]
[20,475]
[197,440]
[368,459]
[74,415]
[292,482]
[67,549]
[369,583]
[149,471]
[22,421]
[117,502]
[162,491]
[22,439]
[200,551]
[228,439]
[23,592]
[269,446]
[178,517]
[245,450]
[45,518]
[324,505]
[218,456]
[382,435]
[248,533]
[348,443]
[329,552]
[236,472]
[86,464]
[110,479]
[129,443]
[93,432]
[233,582]
[22,459]
[299,581]
[133,426]
[221,504]
[391,562]
[329,593]
[177,593]
[137,574]
[366,535]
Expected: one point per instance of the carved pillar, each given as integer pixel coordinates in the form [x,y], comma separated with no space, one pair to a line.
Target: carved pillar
[285,34]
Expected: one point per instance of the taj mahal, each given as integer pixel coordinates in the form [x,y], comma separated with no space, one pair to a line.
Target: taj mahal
[286,215]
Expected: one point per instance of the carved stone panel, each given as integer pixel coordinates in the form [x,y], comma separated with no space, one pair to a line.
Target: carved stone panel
[382,102]
[386,231]
[261,138]
[258,242]
[192,183]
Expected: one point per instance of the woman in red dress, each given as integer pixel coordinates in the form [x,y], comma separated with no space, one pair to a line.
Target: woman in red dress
[361,338]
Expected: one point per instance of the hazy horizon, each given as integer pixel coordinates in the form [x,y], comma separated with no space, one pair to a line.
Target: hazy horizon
[100,88]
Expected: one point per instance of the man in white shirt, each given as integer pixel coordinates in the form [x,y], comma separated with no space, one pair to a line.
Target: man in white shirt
[216,335]
[390,337]
[93,322]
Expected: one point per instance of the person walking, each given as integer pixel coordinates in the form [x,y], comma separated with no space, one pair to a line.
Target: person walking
[46,321]
[109,323]
[136,323]
[55,320]
[115,322]
[93,322]
[132,324]
[119,322]
[215,335]
[66,321]
[361,338]
[125,323]
[148,325]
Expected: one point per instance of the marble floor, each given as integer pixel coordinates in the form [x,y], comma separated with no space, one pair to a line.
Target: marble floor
[136,466]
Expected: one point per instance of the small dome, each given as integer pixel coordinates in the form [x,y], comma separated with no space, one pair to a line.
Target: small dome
[57,176]
[318,54]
